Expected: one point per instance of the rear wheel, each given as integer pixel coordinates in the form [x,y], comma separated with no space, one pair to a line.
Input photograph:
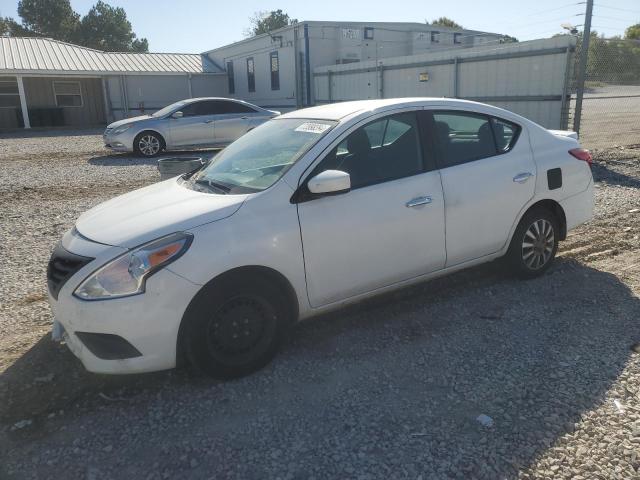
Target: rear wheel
[236,327]
[148,144]
[534,244]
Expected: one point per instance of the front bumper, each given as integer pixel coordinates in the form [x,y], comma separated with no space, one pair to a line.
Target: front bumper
[119,143]
[148,322]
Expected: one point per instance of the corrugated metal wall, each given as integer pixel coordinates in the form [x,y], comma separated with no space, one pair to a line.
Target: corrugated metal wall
[529,78]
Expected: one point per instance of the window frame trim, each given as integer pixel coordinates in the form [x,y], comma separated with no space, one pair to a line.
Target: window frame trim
[56,94]
[490,118]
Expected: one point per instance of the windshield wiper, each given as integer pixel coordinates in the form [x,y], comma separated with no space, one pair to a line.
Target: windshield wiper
[214,185]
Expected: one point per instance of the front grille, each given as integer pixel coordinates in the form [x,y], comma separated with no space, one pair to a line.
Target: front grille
[61,268]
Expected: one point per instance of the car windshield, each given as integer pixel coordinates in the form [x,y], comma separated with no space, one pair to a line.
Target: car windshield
[259,158]
[168,109]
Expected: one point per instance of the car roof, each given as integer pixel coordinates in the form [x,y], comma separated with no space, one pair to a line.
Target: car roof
[226,99]
[338,111]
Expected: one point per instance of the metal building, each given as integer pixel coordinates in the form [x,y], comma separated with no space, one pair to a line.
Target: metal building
[45,82]
[275,70]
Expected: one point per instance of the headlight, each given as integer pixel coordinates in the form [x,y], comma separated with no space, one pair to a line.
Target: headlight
[127,274]
[122,129]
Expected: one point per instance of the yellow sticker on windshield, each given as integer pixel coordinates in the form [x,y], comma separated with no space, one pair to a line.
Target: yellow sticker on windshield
[312,127]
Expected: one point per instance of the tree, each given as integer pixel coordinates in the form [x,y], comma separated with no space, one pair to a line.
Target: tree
[103,28]
[633,32]
[107,28]
[446,22]
[48,18]
[508,39]
[265,22]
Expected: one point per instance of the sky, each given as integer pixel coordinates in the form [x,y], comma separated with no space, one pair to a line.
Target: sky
[194,26]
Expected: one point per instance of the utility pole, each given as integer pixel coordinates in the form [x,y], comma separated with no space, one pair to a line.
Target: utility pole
[582,67]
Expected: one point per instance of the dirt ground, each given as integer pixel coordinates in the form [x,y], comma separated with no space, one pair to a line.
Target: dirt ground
[388,389]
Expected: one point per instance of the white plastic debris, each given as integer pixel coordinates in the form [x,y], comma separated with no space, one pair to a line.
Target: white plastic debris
[485,420]
[619,406]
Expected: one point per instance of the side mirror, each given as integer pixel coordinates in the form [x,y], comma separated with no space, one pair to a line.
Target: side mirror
[177,114]
[330,182]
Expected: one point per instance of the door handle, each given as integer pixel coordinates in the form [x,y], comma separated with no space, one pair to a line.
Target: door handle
[415,202]
[208,121]
[522,177]
[243,118]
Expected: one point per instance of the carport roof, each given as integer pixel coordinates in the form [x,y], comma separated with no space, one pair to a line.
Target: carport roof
[31,55]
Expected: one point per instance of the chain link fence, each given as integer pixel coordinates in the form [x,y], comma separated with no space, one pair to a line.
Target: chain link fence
[611,103]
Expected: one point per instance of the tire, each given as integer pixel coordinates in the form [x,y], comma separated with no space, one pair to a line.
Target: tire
[148,144]
[534,244]
[236,326]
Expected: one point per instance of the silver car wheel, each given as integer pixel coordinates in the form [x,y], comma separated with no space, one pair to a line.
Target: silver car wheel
[538,244]
[149,145]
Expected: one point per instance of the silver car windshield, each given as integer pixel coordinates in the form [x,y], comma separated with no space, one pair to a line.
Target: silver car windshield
[259,158]
[168,109]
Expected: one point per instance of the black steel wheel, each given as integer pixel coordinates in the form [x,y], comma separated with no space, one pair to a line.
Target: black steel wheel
[235,327]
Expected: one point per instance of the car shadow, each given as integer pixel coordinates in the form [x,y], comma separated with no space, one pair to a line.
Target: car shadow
[413,370]
[131,159]
[602,173]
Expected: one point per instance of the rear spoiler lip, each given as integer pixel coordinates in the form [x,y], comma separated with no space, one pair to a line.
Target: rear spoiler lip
[564,133]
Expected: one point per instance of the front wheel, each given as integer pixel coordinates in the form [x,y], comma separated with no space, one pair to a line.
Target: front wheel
[236,327]
[534,244]
[148,144]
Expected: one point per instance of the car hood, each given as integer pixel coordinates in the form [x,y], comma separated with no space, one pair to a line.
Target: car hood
[154,211]
[128,121]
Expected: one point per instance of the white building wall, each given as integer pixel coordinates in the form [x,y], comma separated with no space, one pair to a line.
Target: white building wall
[330,43]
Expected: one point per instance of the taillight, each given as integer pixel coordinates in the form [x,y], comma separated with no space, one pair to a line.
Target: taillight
[582,154]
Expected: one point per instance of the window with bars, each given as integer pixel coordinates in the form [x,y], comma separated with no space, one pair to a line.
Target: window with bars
[9,94]
[231,78]
[68,94]
[251,75]
[275,71]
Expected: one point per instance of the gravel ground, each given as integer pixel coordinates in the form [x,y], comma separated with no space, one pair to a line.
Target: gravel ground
[393,388]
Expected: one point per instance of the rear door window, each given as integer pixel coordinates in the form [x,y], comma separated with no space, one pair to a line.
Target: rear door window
[463,137]
[506,134]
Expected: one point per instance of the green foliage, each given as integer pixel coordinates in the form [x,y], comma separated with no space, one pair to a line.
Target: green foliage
[446,22]
[107,28]
[508,39]
[103,28]
[612,60]
[633,32]
[265,22]
[49,18]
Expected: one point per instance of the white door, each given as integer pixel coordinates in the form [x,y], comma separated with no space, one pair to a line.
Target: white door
[196,127]
[388,228]
[488,175]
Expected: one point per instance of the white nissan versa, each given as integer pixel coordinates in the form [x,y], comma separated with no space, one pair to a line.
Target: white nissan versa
[307,212]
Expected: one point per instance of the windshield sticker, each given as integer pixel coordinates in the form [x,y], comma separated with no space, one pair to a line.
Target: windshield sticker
[311,127]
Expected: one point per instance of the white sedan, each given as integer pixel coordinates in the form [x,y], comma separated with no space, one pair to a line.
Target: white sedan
[310,211]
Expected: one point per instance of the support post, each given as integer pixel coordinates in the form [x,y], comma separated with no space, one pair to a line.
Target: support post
[23,102]
[564,114]
[189,85]
[329,80]
[107,102]
[296,61]
[456,82]
[582,68]
[381,80]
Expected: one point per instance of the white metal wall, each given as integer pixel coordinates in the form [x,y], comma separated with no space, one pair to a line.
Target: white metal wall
[131,95]
[529,78]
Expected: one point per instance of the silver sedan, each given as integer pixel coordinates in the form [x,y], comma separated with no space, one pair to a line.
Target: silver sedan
[192,123]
